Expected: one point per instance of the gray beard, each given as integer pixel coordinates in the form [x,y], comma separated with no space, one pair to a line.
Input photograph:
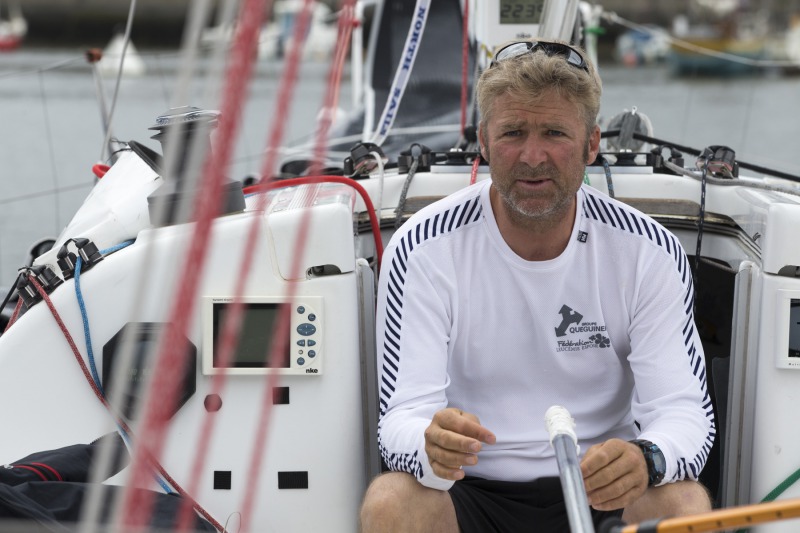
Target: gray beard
[515,207]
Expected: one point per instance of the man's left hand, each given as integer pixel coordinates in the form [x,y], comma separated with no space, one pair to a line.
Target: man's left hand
[614,474]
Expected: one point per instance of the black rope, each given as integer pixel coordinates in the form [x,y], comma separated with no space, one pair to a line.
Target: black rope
[10,293]
[700,222]
[607,169]
[401,204]
[694,151]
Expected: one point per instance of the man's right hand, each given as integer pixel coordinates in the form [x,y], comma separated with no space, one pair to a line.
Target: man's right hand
[453,440]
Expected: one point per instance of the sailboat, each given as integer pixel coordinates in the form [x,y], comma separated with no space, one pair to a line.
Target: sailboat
[13,29]
[225,332]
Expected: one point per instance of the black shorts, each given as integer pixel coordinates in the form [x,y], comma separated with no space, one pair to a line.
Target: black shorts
[485,505]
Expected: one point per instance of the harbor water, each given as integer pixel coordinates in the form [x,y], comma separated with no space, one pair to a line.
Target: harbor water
[51,131]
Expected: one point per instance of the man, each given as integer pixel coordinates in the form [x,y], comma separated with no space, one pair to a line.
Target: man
[527,291]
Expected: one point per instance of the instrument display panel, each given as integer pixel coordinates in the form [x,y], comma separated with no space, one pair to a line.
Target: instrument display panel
[265,322]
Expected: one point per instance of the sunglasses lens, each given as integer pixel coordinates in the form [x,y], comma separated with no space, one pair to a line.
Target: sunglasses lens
[575,58]
[513,50]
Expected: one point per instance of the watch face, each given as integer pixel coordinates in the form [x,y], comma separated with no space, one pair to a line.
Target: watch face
[659,466]
[659,463]
[656,464]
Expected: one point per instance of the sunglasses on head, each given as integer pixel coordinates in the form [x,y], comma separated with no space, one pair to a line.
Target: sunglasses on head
[572,56]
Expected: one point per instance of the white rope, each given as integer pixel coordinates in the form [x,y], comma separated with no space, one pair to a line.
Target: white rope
[126,40]
[379,203]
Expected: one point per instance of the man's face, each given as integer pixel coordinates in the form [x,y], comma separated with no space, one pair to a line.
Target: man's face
[537,151]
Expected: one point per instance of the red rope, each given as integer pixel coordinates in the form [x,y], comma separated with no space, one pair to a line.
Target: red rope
[345,30]
[473,176]
[373,217]
[231,326]
[279,345]
[32,469]
[161,398]
[51,469]
[15,314]
[286,89]
[99,395]
[70,341]
[464,65]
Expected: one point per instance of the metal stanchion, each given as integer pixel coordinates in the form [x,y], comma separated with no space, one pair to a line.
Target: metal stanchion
[561,427]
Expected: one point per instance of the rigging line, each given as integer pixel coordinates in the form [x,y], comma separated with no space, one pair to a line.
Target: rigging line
[473,175]
[365,198]
[51,149]
[286,91]
[401,203]
[732,182]
[161,396]
[118,420]
[33,195]
[609,181]
[3,305]
[277,354]
[15,314]
[695,151]
[126,40]
[100,92]
[381,180]
[98,393]
[700,226]
[280,341]
[331,100]
[88,341]
[35,70]
[84,314]
[232,323]
[86,333]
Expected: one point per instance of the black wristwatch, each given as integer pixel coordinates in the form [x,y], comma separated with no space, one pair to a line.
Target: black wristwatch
[656,465]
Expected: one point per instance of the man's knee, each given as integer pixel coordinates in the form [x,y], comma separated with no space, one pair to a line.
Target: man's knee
[390,496]
[386,496]
[673,499]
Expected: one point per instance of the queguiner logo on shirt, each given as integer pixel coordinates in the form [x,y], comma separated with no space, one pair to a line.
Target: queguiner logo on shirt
[574,333]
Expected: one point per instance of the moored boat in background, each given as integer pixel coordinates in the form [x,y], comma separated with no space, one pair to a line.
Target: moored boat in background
[150,271]
[12,29]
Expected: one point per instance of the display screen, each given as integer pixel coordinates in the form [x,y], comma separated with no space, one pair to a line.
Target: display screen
[521,11]
[257,332]
[794,328]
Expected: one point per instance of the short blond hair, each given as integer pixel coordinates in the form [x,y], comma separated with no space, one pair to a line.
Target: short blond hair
[533,74]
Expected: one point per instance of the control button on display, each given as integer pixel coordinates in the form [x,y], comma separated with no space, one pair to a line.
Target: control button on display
[301,361]
[312,353]
[312,317]
[302,342]
[301,309]
[306,329]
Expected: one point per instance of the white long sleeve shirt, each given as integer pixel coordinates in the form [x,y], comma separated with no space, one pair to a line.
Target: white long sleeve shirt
[605,329]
